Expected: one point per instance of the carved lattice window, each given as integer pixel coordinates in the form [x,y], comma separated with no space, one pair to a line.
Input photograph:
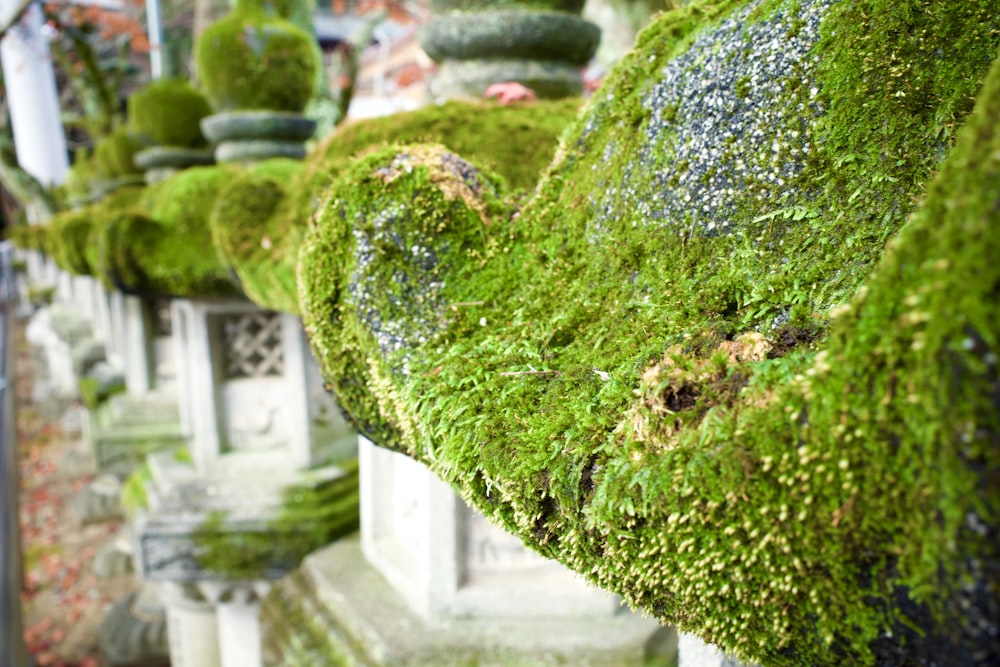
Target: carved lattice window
[253,345]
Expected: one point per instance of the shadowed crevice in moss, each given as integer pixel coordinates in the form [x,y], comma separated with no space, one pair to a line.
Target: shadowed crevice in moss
[658,401]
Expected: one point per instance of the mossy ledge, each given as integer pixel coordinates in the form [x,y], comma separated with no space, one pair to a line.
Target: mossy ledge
[651,375]
[261,216]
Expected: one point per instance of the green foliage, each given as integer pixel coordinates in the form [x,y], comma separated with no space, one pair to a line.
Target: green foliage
[251,61]
[167,113]
[312,515]
[689,417]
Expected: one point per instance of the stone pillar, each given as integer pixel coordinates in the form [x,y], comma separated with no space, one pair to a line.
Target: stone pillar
[693,652]
[255,429]
[237,607]
[192,628]
[83,295]
[542,45]
[448,560]
[64,286]
[433,583]
[138,331]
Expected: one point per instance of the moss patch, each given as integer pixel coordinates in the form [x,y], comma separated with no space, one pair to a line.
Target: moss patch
[249,60]
[167,113]
[163,245]
[263,246]
[646,386]
[312,516]
[249,237]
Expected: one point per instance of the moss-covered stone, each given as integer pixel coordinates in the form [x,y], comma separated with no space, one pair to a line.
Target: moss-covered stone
[251,238]
[114,155]
[418,220]
[269,233]
[516,141]
[71,235]
[312,515]
[168,113]
[163,245]
[511,34]
[658,384]
[250,60]
[447,6]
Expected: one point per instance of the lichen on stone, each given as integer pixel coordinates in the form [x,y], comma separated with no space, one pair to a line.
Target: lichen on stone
[685,412]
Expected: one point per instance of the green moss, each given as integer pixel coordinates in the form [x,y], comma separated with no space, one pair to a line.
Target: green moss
[163,244]
[249,239]
[167,112]
[134,496]
[263,246]
[436,216]
[312,515]
[41,295]
[516,141]
[113,155]
[94,392]
[71,235]
[664,405]
[251,61]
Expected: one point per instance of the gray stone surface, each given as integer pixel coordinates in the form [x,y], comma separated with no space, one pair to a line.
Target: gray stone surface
[134,633]
[99,501]
[115,557]
[337,609]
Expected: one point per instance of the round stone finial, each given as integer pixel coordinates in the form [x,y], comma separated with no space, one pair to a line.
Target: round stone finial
[541,47]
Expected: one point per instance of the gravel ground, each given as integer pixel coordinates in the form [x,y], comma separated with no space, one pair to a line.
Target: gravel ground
[63,601]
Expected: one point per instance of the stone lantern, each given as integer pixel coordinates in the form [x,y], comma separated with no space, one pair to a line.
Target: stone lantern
[259,72]
[541,44]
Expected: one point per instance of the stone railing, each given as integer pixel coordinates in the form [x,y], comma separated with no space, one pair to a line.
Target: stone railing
[688,368]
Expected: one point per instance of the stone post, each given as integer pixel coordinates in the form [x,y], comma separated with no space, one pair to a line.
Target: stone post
[693,652]
[257,424]
[541,45]
[434,583]
[191,626]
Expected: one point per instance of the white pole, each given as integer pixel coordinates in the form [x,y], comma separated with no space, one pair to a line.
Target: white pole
[154,28]
[31,96]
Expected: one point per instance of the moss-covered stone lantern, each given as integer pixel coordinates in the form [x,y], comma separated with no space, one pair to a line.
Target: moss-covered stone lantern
[542,44]
[165,117]
[258,72]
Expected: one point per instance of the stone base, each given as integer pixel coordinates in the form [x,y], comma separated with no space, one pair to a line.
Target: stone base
[115,557]
[470,78]
[99,501]
[693,652]
[124,430]
[338,610]
[134,633]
